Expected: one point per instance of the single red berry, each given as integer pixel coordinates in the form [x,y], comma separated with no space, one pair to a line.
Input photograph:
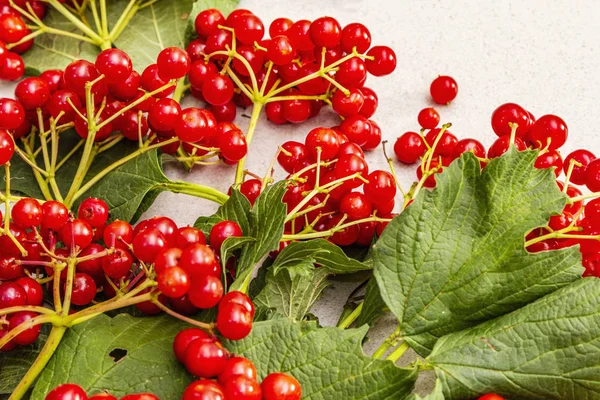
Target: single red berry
[164,114]
[507,114]
[300,36]
[29,335]
[53,78]
[93,211]
[12,114]
[194,125]
[237,366]
[428,118]
[280,50]
[296,111]
[592,212]
[325,32]
[356,206]
[76,233]
[502,144]
[152,81]
[118,264]
[67,391]
[189,235]
[583,157]
[357,128]
[219,40]
[205,359]
[242,388]
[381,187]
[118,234]
[12,28]
[203,390]
[491,396]
[233,146]
[355,35]
[54,215]
[445,145]
[27,213]
[205,291]
[12,295]
[217,89]
[93,266]
[550,159]
[549,131]
[7,147]
[324,138]
[225,112]
[184,338]
[198,260]
[443,89]
[208,21]
[32,93]
[221,231]
[469,145]
[251,189]
[351,164]
[347,105]
[199,71]
[279,386]
[279,26]
[84,289]
[592,176]
[78,73]
[12,67]
[147,244]
[128,89]
[352,73]
[292,152]
[33,290]
[383,62]
[409,147]
[173,282]
[248,29]
[236,297]
[63,101]
[173,63]
[234,321]
[114,64]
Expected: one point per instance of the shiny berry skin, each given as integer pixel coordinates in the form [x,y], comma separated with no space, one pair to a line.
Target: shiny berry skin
[184,338]
[222,231]
[251,189]
[147,244]
[351,164]
[242,388]
[33,290]
[583,157]
[381,187]
[103,396]
[84,289]
[152,81]
[32,92]
[280,50]
[443,89]
[491,396]
[347,106]
[28,336]
[114,64]
[189,235]
[54,215]
[140,396]
[592,212]
[592,176]
[248,29]
[12,28]
[61,101]
[205,291]
[234,322]
[355,35]
[292,153]
[549,130]
[67,391]
[324,138]
[502,144]
[208,21]
[225,112]
[12,295]
[300,36]
[164,114]
[356,206]
[203,390]
[173,63]
[233,146]
[76,233]
[93,211]
[77,74]
[12,67]
[325,32]
[217,89]
[173,282]
[53,78]
[445,145]
[510,113]
[469,145]
[128,89]
[357,128]
[428,118]
[205,359]
[237,366]
[296,111]
[198,260]
[27,213]
[199,71]
[194,125]
[409,147]
[279,26]
[352,73]
[12,114]
[240,298]
[279,386]
[118,232]
[550,159]
[7,147]
[384,62]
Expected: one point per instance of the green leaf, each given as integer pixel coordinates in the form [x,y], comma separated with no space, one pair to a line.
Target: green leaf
[373,305]
[266,222]
[15,364]
[147,364]
[52,51]
[292,290]
[328,362]
[437,394]
[236,208]
[322,252]
[545,350]
[226,7]
[456,256]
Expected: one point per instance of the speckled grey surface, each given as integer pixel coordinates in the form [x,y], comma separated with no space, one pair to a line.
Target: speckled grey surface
[543,54]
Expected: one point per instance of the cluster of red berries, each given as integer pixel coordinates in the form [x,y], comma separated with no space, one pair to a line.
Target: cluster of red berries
[513,124]
[344,168]
[294,51]
[236,378]
[13,29]
[70,391]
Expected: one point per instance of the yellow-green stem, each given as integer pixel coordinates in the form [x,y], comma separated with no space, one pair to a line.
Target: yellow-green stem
[349,320]
[390,341]
[399,352]
[239,172]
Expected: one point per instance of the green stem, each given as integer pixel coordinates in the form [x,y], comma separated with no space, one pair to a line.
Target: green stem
[349,320]
[387,343]
[193,189]
[399,352]
[76,21]
[239,172]
[103,18]
[54,339]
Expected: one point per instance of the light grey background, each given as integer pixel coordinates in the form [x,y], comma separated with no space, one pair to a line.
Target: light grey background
[542,54]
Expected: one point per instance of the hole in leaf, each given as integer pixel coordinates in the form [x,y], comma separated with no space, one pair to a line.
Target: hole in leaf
[118,354]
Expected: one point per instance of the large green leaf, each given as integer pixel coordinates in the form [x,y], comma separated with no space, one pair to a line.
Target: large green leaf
[15,364]
[145,360]
[373,305]
[292,290]
[545,350]
[328,362]
[456,256]
[322,252]
[236,208]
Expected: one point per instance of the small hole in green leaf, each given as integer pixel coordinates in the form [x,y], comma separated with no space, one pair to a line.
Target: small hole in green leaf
[118,354]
